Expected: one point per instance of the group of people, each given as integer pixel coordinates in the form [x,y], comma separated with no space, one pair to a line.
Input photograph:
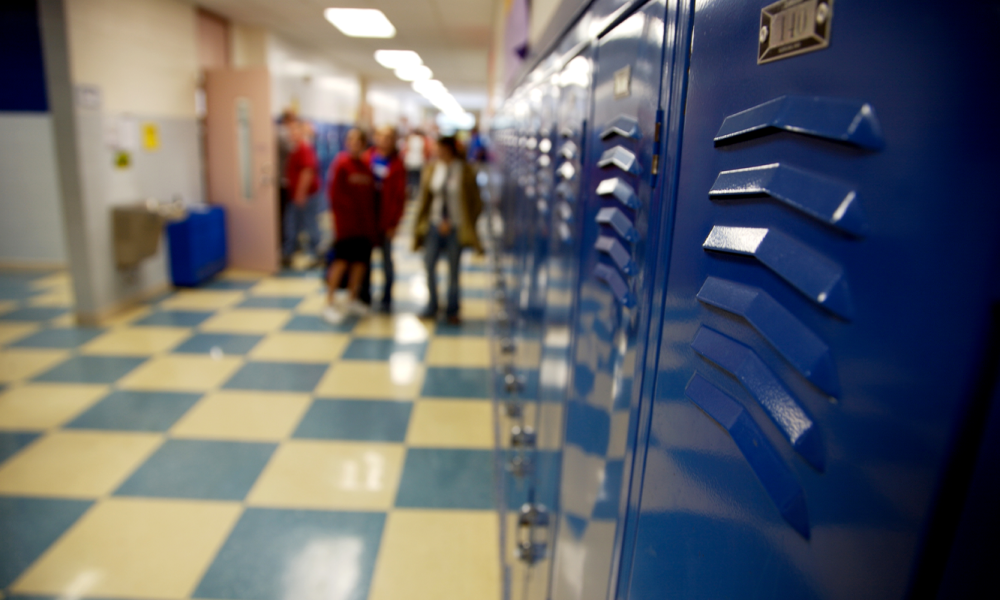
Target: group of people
[367,194]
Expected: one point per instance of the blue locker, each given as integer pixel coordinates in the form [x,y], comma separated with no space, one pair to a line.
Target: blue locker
[618,212]
[824,366]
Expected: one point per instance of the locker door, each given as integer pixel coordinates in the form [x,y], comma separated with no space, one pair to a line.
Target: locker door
[615,209]
[828,303]
[528,432]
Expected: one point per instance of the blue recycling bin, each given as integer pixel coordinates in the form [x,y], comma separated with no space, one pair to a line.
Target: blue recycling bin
[197,246]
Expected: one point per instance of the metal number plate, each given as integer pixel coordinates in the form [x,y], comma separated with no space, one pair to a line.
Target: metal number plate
[792,27]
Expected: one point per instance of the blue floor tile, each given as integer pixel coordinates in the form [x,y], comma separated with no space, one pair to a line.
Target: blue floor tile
[381,349]
[471,327]
[361,420]
[314,323]
[308,274]
[58,338]
[227,343]
[175,318]
[230,284]
[28,526]
[91,369]
[16,292]
[454,382]
[33,313]
[476,293]
[271,302]
[198,469]
[136,411]
[438,478]
[11,442]
[277,377]
[275,554]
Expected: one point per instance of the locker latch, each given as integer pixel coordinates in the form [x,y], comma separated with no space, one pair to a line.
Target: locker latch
[531,518]
[522,437]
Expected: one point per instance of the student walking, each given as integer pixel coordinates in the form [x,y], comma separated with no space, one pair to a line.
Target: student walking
[302,176]
[351,190]
[449,205]
[390,200]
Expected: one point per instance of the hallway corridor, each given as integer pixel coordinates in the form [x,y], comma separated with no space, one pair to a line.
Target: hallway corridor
[226,443]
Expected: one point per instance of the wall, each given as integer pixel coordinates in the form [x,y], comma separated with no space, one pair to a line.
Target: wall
[319,89]
[137,62]
[31,228]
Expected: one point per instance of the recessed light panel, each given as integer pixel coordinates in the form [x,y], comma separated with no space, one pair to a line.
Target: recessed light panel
[398,59]
[360,22]
[415,73]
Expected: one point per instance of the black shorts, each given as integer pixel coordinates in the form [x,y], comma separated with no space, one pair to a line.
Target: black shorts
[353,250]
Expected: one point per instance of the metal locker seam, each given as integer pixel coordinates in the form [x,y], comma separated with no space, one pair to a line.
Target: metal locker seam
[679,25]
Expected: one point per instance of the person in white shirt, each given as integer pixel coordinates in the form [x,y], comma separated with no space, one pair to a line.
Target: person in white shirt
[415,152]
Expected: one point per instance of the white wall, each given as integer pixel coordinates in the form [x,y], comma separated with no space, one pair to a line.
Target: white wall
[317,87]
[141,53]
[31,224]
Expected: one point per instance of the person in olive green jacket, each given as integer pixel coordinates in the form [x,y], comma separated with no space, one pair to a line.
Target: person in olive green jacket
[448,207]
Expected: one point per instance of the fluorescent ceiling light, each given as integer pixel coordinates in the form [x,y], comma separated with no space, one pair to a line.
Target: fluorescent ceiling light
[360,22]
[398,59]
[429,87]
[414,73]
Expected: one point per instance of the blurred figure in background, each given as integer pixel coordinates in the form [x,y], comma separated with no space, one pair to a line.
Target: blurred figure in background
[390,199]
[449,205]
[284,151]
[301,172]
[416,152]
[351,189]
[478,152]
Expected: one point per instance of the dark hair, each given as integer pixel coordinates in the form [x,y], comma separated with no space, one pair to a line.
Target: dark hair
[449,142]
[362,135]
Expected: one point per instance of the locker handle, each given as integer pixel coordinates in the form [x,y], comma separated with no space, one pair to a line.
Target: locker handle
[614,249]
[849,121]
[621,190]
[802,348]
[819,278]
[828,200]
[619,157]
[777,479]
[616,219]
[623,126]
[744,364]
[617,285]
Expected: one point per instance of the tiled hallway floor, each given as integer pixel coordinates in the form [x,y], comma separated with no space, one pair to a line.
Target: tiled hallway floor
[226,443]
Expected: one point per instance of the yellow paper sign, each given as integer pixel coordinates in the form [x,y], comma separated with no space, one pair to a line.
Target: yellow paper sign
[150,137]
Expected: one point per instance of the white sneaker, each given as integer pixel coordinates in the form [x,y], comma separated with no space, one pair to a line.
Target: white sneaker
[357,308]
[333,316]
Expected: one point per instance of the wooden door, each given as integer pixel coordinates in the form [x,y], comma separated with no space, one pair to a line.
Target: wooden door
[241,160]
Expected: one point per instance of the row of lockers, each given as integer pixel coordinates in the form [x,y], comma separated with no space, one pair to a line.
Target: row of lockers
[745,336]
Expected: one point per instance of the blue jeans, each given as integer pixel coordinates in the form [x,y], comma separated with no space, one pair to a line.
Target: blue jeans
[299,219]
[434,245]
[388,270]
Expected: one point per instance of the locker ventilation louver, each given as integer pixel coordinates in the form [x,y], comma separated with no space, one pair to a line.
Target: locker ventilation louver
[818,277]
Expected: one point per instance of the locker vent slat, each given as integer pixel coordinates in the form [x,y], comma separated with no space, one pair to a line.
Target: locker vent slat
[744,364]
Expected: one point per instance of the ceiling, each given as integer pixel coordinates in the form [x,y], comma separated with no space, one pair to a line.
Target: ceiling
[452,36]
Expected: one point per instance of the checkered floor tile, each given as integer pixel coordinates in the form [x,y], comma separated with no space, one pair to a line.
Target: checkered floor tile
[225,442]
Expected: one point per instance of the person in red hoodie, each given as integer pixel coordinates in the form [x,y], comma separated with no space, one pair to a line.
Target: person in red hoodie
[390,199]
[351,189]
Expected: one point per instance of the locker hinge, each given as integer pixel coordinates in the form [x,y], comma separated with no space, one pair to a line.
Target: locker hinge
[656,141]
